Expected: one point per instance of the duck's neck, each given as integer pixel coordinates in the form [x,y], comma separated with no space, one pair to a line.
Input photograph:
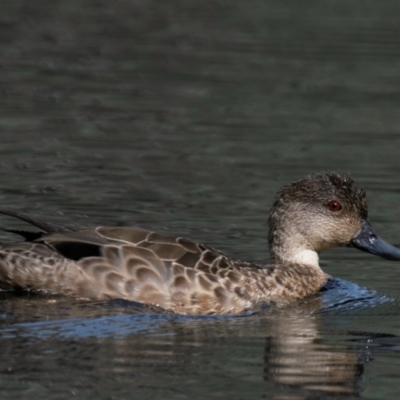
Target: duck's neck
[294,255]
[301,257]
[289,241]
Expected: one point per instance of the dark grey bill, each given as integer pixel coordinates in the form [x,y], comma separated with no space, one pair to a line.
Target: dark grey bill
[368,240]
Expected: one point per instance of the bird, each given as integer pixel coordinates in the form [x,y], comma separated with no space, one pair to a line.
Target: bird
[316,213]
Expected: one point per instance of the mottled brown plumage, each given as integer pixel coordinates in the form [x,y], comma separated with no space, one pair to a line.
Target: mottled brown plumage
[185,277]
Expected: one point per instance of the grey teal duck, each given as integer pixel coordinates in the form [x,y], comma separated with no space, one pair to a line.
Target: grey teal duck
[311,215]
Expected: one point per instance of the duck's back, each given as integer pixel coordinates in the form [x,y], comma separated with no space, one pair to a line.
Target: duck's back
[127,263]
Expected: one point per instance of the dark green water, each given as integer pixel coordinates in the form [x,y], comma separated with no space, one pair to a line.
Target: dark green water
[187,117]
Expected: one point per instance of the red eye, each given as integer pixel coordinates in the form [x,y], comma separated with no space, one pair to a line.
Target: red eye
[334,205]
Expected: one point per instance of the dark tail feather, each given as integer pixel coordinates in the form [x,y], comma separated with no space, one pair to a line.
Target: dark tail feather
[29,236]
[45,226]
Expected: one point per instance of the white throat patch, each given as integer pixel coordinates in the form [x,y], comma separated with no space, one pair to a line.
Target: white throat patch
[306,257]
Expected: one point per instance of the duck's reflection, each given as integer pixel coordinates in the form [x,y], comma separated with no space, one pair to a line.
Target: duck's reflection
[295,356]
[300,359]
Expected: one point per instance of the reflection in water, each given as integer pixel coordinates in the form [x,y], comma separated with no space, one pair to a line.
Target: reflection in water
[295,356]
[156,352]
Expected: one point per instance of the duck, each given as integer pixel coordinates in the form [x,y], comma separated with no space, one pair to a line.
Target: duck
[319,212]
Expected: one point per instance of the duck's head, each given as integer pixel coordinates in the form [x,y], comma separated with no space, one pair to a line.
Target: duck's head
[320,212]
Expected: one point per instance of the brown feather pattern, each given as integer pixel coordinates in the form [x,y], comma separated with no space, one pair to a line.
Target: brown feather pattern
[138,265]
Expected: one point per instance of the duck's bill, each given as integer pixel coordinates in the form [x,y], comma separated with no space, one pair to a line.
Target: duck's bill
[368,240]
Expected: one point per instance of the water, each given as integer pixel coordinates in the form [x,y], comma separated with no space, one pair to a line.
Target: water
[187,117]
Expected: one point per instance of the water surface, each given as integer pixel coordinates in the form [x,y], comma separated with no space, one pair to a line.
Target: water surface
[187,117]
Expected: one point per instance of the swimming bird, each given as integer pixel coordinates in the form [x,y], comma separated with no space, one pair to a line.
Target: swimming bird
[316,213]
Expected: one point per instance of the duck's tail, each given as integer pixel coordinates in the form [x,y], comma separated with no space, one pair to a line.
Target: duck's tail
[46,227]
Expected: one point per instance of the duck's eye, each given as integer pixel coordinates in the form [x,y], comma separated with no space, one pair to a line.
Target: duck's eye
[334,205]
